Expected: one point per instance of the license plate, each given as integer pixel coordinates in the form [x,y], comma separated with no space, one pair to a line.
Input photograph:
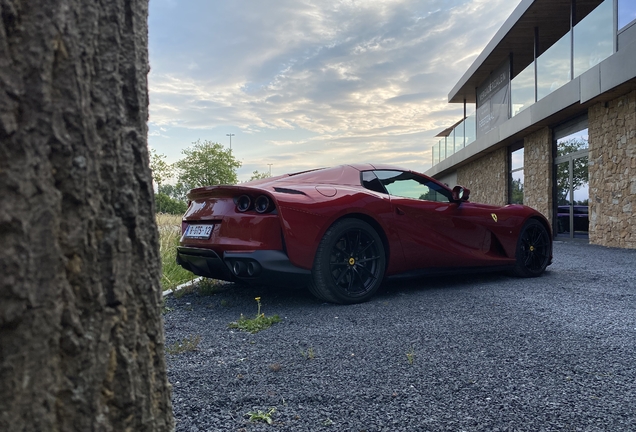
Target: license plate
[198,231]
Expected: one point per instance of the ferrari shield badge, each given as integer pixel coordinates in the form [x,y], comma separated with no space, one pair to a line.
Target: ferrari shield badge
[494,216]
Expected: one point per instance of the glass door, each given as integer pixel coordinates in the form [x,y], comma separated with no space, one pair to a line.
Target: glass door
[572,197]
[572,186]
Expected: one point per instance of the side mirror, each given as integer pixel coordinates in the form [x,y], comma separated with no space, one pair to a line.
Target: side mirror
[460,193]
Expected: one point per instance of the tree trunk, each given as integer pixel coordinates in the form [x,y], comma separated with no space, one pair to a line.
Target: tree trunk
[81,337]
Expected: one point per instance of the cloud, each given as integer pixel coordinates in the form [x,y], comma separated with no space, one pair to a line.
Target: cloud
[354,78]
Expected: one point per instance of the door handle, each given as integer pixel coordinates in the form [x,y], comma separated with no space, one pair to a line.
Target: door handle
[399,211]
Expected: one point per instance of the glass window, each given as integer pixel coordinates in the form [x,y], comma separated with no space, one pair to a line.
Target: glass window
[562,187]
[449,144]
[553,67]
[594,38]
[580,182]
[573,197]
[459,138]
[371,182]
[522,90]
[450,147]
[409,185]
[572,143]
[436,154]
[572,185]
[516,177]
[516,159]
[626,12]
[470,129]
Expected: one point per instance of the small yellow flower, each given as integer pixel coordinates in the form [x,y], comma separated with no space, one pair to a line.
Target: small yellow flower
[258,300]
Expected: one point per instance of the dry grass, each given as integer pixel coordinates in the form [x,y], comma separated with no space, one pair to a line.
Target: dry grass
[190,343]
[169,233]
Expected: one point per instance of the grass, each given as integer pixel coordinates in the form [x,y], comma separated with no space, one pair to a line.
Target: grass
[173,274]
[309,354]
[188,289]
[256,324]
[261,416]
[190,343]
[208,287]
[410,355]
[165,309]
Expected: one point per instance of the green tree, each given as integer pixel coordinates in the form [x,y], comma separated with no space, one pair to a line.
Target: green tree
[166,204]
[176,192]
[259,175]
[206,163]
[171,198]
[161,170]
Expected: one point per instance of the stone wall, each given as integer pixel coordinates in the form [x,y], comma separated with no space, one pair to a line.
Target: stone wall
[487,178]
[612,138]
[612,173]
[537,169]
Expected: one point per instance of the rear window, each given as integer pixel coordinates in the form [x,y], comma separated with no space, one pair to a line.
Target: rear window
[370,181]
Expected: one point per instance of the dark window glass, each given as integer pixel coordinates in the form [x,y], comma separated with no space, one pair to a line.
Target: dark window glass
[371,182]
[409,185]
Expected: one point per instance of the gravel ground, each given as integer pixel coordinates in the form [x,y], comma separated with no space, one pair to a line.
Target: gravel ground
[462,353]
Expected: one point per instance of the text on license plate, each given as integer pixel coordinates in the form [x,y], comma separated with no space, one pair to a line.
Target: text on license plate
[198,231]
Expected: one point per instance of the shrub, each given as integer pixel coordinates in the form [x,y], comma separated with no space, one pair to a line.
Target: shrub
[165,204]
[173,274]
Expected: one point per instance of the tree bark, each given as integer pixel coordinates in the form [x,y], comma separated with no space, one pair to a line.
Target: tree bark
[81,336]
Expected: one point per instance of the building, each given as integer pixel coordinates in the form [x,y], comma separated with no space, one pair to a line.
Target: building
[553,123]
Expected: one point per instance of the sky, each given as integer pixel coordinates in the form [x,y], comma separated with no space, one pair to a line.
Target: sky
[312,83]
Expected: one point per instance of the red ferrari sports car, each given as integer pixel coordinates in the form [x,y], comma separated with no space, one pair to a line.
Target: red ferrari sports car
[342,230]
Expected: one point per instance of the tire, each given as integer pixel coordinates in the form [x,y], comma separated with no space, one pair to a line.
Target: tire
[349,264]
[533,250]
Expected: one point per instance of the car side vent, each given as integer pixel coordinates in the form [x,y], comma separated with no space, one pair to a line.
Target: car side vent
[289,191]
[496,248]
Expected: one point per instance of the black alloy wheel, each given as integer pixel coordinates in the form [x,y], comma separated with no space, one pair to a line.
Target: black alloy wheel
[349,264]
[533,249]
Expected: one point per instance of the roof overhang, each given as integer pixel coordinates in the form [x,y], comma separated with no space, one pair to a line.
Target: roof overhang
[515,39]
